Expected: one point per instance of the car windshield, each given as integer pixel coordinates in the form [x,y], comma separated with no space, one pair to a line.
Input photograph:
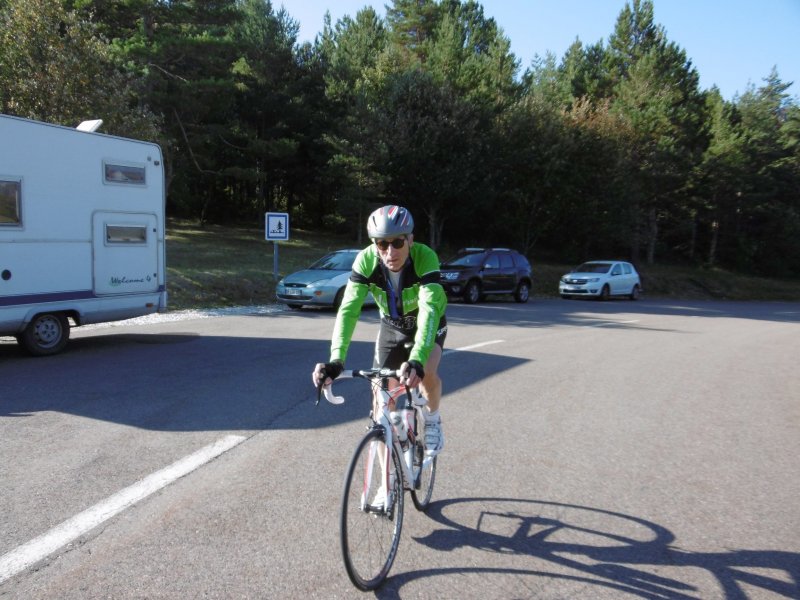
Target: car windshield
[336,261]
[472,259]
[593,268]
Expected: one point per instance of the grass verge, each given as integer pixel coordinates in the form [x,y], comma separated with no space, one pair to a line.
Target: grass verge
[214,266]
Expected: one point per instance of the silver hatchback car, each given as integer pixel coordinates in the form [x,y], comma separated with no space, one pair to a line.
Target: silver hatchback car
[601,279]
[321,284]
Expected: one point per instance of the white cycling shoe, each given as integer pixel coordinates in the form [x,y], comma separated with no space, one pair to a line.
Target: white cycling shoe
[434,438]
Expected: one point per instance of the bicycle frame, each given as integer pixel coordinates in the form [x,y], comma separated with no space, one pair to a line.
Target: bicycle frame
[382,399]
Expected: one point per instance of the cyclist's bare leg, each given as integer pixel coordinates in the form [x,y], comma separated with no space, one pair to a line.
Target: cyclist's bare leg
[431,384]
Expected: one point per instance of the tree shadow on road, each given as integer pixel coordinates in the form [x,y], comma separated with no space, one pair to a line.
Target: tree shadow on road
[542,313]
[581,546]
[187,382]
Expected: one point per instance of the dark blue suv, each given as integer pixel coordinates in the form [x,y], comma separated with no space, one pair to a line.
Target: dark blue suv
[475,273]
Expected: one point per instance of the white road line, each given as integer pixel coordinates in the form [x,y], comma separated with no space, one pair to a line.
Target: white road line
[472,347]
[28,554]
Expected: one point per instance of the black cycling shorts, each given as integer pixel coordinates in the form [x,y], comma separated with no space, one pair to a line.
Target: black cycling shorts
[390,347]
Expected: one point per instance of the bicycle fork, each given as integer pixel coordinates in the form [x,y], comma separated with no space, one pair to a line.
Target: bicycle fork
[382,450]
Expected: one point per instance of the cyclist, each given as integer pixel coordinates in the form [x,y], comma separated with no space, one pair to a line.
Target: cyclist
[403,277]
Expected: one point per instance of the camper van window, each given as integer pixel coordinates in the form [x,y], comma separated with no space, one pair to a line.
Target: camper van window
[10,210]
[126,234]
[124,174]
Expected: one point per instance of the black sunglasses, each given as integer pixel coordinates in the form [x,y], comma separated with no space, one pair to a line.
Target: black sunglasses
[396,243]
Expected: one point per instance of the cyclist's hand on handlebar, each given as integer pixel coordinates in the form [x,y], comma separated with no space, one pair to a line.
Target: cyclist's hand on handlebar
[325,373]
[412,373]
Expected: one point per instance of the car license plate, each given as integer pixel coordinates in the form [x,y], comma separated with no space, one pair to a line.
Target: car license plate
[572,288]
[293,291]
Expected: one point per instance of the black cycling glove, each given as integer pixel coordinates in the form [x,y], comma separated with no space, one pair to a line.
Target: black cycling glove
[417,366]
[333,369]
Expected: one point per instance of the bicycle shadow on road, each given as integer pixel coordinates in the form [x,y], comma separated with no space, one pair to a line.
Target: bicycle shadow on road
[588,546]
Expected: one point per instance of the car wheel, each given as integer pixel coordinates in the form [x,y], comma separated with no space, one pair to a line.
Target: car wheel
[605,293]
[46,334]
[472,293]
[522,293]
[635,292]
[337,301]
[566,296]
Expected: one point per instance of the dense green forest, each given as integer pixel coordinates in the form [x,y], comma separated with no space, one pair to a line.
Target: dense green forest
[611,150]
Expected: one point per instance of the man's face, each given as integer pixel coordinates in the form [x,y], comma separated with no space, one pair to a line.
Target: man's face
[394,257]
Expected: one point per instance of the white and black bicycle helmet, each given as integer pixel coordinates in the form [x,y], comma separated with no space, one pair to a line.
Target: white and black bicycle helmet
[390,221]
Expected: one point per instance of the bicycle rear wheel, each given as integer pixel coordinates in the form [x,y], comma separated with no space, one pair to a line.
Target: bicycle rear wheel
[424,471]
[370,528]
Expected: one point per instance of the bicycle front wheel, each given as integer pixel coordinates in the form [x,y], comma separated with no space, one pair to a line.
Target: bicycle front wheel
[372,516]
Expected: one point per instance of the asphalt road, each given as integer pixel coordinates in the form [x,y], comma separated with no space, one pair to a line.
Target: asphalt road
[594,450]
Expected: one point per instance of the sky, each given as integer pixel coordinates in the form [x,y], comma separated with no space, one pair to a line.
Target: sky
[731,43]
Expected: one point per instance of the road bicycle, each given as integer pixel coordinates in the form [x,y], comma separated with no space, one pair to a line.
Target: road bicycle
[382,468]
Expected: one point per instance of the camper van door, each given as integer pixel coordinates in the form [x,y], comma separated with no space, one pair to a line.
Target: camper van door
[125,248]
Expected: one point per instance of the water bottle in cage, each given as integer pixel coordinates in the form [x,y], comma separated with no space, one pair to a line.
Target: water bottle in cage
[400,419]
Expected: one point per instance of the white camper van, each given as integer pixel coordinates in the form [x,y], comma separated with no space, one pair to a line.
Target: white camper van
[81,230]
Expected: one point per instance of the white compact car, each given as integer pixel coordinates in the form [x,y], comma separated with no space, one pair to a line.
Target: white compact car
[601,279]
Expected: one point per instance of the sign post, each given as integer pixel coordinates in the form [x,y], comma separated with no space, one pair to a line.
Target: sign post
[277,229]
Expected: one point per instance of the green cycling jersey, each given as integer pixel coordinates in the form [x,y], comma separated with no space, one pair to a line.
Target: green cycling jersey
[420,304]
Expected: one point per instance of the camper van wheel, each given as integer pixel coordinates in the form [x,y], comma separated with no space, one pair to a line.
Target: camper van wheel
[46,334]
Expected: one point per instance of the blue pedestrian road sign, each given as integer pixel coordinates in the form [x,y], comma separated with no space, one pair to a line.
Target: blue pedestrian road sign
[277,226]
